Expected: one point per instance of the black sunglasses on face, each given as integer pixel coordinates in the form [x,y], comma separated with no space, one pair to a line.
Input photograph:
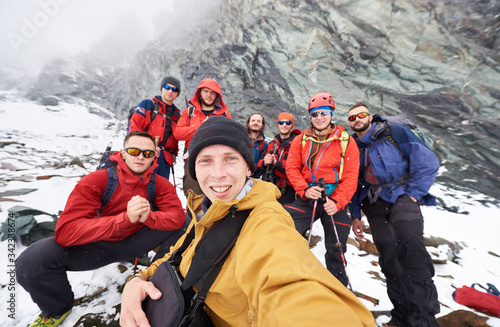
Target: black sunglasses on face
[288,122]
[322,113]
[168,87]
[136,152]
[361,115]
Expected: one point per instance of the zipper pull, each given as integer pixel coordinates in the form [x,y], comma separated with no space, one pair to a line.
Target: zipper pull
[233,209]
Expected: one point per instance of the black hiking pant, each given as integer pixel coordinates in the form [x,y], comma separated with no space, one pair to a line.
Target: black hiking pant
[288,195]
[398,234]
[301,212]
[163,168]
[41,268]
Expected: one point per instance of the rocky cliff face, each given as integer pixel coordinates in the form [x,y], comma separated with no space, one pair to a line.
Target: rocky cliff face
[435,62]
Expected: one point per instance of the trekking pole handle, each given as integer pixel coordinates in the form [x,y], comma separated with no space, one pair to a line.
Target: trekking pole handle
[157,140]
[321,183]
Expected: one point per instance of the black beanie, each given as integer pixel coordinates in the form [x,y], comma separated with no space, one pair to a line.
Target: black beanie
[172,81]
[221,130]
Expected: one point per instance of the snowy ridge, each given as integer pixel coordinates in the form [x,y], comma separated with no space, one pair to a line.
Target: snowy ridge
[39,141]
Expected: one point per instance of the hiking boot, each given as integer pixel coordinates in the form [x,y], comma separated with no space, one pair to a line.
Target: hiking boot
[53,321]
[393,323]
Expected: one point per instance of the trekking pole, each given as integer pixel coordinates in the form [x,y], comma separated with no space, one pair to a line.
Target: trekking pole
[313,214]
[312,222]
[173,175]
[339,245]
[269,168]
[135,266]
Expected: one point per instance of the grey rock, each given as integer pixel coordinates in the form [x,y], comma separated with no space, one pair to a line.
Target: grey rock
[49,100]
[434,62]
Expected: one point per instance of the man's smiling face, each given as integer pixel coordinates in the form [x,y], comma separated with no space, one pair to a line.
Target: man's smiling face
[221,172]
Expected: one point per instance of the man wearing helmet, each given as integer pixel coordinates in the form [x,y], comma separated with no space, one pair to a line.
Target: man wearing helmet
[322,167]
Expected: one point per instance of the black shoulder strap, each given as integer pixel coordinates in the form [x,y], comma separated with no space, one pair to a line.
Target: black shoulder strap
[156,107]
[152,189]
[214,247]
[210,255]
[110,188]
[176,256]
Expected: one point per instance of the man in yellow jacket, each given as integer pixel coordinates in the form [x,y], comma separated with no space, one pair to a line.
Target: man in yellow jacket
[270,277]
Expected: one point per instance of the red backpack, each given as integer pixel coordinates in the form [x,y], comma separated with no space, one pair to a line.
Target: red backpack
[488,301]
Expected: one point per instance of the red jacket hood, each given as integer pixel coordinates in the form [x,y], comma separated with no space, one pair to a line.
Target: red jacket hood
[214,86]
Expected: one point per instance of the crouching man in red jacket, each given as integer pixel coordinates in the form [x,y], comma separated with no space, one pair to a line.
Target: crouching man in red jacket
[91,234]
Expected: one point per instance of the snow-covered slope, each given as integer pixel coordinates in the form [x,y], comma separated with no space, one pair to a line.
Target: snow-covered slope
[40,141]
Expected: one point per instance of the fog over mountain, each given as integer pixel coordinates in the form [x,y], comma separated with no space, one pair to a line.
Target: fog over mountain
[435,62]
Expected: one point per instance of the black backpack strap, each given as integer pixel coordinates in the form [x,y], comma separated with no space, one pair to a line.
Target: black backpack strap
[152,189]
[214,247]
[199,298]
[156,106]
[176,256]
[110,188]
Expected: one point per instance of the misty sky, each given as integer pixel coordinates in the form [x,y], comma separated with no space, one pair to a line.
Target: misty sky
[35,31]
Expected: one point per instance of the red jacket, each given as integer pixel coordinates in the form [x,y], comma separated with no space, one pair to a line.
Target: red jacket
[282,147]
[192,117]
[78,224]
[300,171]
[167,116]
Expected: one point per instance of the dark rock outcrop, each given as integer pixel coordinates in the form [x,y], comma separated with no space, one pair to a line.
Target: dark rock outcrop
[435,62]
[463,318]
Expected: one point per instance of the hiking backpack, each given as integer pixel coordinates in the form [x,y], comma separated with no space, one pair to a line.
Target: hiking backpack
[397,120]
[488,301]
[386,132]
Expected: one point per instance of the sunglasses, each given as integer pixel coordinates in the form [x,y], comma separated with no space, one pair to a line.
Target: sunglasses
[322,113]
[361,115]
[288,122]
[136,152]
[168,87]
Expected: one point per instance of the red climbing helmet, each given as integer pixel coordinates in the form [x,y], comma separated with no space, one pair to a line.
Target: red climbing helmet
[321,100]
